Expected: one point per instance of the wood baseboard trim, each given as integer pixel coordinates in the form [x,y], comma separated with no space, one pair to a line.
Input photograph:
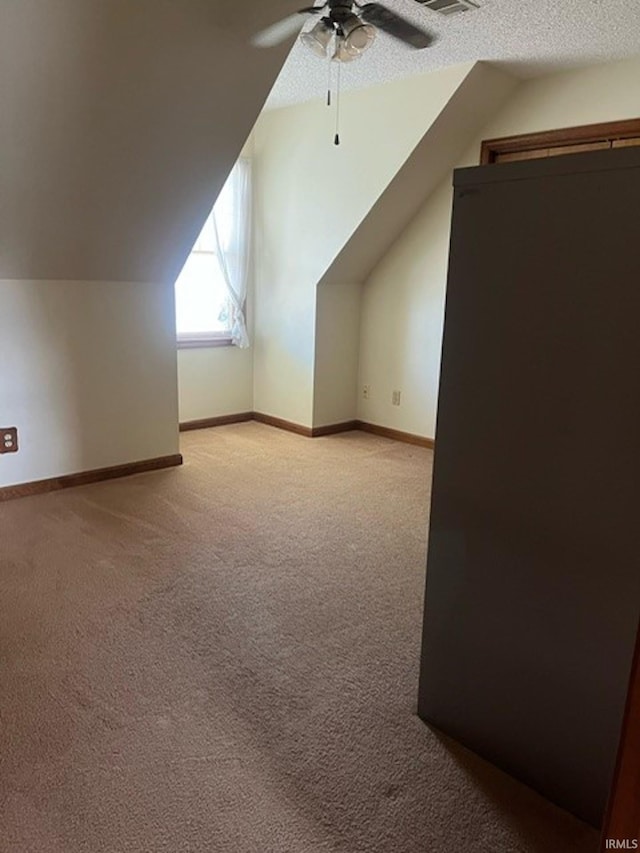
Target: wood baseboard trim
[310,432]
[280,423]
[334,429]
[396,434]
[270,420]
[84,478]
[220,420]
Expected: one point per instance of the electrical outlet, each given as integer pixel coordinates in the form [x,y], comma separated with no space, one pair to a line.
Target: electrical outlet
[366,391]
[395,398]
[8,439]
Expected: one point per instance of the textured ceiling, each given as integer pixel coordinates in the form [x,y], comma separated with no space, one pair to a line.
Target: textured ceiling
[528,37]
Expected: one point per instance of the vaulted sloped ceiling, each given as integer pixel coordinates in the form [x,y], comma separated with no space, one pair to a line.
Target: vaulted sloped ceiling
[478,96]
[119,122]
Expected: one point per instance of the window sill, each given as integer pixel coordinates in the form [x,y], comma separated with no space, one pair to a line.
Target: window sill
[201,343]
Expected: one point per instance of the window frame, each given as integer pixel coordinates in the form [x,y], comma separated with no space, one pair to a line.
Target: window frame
[200,340]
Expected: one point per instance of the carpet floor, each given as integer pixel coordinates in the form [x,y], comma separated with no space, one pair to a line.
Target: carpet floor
[223,658]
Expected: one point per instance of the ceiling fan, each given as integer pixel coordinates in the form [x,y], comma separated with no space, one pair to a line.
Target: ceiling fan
[352,25]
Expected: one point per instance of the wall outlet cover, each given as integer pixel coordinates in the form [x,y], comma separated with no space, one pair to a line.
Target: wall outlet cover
[8,439]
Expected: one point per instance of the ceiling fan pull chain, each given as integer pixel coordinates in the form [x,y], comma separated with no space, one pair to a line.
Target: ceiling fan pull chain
[329,83]
[336,140]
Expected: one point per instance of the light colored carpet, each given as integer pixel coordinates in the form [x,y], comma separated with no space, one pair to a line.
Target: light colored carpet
[224,658]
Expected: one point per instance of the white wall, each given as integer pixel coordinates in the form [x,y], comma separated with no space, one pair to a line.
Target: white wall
[401,324]
[402,304]
[336,353]
[310,197]
[214,381]
[90,375]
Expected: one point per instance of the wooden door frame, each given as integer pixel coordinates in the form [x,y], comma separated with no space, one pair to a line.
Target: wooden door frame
[610,131]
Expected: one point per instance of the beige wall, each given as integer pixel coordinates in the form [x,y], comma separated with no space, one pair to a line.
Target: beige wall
[214,381]
[310,197]
[401,324]
[402,304]
[336,353]
[90,375]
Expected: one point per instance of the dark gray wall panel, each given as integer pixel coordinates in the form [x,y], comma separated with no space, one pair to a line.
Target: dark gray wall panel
[533,582]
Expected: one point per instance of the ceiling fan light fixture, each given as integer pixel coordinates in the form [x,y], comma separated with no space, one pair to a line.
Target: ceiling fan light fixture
[342,54]
[358,36]
[317,39]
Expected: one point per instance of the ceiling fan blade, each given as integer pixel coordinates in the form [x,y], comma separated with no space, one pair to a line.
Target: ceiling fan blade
[284,29]
[387,21]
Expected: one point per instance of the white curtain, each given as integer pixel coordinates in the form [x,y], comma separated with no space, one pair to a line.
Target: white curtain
[232,230]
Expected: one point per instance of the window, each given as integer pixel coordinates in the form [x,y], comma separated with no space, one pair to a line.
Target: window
[211,288]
